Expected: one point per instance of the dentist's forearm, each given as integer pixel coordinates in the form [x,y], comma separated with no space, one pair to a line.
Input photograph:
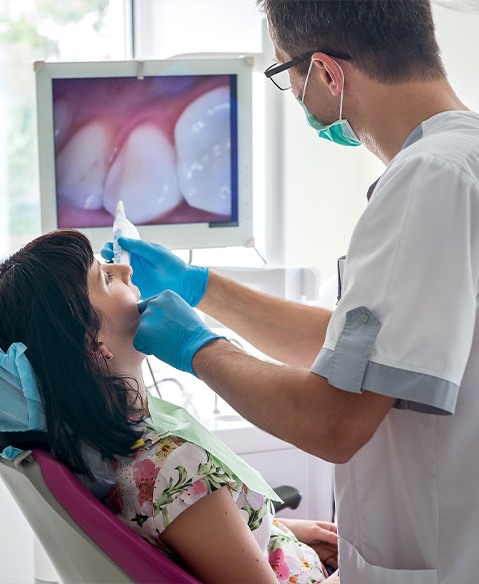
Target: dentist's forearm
[291,402]
[287,331]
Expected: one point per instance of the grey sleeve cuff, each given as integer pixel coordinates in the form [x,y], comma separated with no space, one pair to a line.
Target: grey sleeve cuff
[348,367]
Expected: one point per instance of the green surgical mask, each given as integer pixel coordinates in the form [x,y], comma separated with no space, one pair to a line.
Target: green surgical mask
[339,132]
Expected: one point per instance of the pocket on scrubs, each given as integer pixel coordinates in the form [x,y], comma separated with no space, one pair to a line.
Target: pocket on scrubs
[353,568]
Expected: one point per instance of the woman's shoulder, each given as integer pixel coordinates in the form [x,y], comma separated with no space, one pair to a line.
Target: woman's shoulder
[171,457]
[163,477]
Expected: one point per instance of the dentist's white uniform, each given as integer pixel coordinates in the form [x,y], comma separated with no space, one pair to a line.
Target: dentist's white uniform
[407,326]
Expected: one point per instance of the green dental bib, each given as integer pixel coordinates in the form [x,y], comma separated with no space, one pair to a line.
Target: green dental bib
[170,419]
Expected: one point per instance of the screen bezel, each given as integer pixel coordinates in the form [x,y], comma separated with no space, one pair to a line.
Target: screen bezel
[175,236]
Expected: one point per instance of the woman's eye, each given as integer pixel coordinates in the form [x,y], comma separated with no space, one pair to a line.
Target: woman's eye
[108,277]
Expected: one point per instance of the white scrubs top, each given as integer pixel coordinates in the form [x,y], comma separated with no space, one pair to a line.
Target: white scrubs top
[407,326]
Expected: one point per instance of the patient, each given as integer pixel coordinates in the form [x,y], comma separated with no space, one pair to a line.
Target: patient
[77,319]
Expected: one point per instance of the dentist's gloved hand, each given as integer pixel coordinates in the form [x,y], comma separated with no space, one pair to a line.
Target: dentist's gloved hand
[156,269]
[171,330]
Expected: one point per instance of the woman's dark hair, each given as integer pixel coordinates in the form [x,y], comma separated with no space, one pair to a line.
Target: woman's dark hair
[44,304]
[389,40]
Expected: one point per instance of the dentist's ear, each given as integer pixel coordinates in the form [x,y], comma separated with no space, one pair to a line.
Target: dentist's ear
[331,73]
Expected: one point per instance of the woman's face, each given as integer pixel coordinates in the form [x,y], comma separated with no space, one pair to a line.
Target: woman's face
[115,299]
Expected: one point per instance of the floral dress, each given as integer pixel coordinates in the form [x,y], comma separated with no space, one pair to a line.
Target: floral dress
[164,477]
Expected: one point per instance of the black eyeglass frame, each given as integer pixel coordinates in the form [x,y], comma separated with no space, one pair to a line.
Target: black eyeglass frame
[279,68]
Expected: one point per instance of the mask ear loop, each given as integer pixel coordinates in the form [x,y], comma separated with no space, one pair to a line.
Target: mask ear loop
[342,92]
[306,80]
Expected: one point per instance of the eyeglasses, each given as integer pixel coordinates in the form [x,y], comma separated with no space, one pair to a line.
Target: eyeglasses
[280,71]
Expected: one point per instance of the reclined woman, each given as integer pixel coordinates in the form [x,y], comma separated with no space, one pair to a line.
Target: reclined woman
[73,320]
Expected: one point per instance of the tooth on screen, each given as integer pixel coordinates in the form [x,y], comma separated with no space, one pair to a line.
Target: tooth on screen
[143,176]
[62,119]
[202,136]
[82,166]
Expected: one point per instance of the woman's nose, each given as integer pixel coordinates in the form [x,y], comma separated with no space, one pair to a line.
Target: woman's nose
[125,271]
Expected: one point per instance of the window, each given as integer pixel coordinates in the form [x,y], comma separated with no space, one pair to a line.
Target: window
[36,30]
[84,30]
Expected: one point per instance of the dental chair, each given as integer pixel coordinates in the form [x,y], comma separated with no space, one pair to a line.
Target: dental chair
[86,543]
[84,540]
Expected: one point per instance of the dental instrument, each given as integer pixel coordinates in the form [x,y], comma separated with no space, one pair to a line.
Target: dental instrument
[122,227]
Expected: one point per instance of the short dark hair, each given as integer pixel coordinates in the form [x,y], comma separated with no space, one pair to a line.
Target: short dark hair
[44,304]
[389,40]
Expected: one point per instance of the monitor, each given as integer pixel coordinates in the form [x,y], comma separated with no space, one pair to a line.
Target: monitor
[170,138]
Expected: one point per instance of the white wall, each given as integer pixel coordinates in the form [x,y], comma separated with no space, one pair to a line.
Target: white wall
[458,35]
[170,27]
[326,187]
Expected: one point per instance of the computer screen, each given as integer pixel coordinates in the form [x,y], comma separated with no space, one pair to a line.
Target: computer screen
[171,139]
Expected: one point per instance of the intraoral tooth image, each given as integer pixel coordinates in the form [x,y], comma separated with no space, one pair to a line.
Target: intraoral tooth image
[63,118]
[143,176]
[159,144]
[202,136]
[82,166]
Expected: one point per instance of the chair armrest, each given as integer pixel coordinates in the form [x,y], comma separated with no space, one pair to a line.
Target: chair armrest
[290,495]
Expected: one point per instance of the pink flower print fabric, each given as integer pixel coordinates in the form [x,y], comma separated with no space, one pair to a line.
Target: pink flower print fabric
[144,474]
[280,567]
[293,562]
[159,481]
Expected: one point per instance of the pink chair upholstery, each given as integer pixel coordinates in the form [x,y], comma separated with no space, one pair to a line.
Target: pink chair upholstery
[87,543]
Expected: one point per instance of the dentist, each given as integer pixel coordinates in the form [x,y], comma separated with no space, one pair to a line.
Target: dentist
[386,387]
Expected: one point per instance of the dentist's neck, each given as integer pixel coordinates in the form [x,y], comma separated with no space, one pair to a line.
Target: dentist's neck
[385,114]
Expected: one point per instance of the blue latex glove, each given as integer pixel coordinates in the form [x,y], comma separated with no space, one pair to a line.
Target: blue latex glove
[171,330]
[156,269]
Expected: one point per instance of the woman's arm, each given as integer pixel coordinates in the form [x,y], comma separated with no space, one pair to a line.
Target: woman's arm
[215,543]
